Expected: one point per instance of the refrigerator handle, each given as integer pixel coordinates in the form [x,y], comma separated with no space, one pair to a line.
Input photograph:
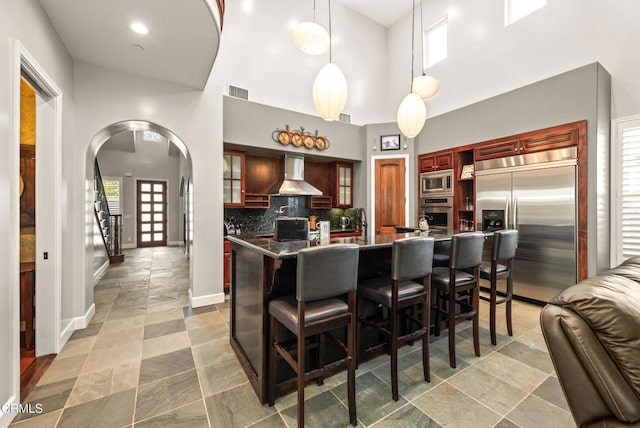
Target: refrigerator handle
[506,212]
[515,213]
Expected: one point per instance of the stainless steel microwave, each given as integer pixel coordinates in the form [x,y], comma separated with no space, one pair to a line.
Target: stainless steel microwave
[436,183]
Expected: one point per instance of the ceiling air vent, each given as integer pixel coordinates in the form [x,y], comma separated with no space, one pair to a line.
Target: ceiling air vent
[346,118]
[237,92]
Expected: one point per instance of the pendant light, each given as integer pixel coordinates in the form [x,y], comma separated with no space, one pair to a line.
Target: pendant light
[425,86]
[310,37]
[330,87]
[412,113]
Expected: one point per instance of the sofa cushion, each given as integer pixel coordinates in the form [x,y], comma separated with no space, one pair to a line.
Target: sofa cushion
[610,304]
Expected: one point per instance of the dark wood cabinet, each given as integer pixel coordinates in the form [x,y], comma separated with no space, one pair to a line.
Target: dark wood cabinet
[233,179]
[546,139]
[226,266]
[435,161]
[342,184]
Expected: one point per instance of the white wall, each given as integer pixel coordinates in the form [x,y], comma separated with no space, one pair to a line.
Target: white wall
[149,162]
[486,59]
[257,53]
[195,117]
[25,21]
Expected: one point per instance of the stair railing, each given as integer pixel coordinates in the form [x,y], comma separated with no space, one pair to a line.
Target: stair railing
[108,223]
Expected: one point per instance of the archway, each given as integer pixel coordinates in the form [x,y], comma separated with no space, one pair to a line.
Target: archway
[185,182]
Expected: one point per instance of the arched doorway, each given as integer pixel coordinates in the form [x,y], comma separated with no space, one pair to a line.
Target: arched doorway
[135,171]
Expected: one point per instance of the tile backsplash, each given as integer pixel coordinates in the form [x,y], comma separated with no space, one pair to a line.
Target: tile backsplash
[255,221]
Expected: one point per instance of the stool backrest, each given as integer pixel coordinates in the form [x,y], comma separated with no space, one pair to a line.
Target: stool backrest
[411,258]
[466,250]
[505,243]
[326,271]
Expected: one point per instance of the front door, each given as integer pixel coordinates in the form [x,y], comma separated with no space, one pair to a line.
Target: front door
[152,213]
[390,194]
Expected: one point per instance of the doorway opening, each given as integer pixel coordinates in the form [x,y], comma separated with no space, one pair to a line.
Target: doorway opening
[152,213]
[390,184]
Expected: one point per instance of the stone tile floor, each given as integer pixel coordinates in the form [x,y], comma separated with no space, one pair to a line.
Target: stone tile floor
[148,360]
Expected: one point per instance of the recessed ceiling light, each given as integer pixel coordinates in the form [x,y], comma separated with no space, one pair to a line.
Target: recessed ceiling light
[139,27]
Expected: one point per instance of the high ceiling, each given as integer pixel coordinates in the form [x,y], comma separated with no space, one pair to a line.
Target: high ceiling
[384,12]
[97,32]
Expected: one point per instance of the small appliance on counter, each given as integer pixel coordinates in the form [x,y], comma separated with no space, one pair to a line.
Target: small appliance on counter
[325,232]
[291,229]
[344,222]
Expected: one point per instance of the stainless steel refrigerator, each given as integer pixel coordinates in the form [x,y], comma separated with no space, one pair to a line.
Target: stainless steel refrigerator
[535,194]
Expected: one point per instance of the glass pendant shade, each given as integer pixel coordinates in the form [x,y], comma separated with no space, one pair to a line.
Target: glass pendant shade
[330,92]
[411,115]
[310,38]
[425,86]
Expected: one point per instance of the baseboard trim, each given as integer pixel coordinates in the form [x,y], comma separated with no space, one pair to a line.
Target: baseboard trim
[100,272]
[175,244]
[7,417]
[128,246]
[211,299]
[77,323]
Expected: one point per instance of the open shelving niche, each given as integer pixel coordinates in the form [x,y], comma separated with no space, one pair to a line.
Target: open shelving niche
[464,192]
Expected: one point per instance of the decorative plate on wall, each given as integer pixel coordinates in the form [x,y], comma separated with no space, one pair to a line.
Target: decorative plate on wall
[299,138]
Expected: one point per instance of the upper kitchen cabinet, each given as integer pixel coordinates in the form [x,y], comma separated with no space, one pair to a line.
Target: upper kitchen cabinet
[343,176]
[546,139]
[233,183]
[435,161]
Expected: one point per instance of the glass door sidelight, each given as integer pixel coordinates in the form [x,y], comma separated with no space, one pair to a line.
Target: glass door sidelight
[152,213]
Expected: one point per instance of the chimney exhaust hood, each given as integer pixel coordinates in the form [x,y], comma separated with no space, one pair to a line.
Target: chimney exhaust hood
[293,182]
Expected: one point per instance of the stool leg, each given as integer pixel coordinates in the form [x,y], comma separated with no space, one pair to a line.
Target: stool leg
[452,325]
[438,318]
[393,345]
[356,351]
[301,369]
[492,307]
[475,299]
[351,374]
[426,320]
[509,299]
[321,347]
[271,394]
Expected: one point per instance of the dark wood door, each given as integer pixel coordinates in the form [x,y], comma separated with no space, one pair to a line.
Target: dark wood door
[152,213]
[390,197]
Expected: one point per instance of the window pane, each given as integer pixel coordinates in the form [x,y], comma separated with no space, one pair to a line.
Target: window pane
[157,227]
[227,166]
[157,207]
[157,217]
[436,43]
[347,176]
[145,227]
[145,187]
[157,187]
[235,167]
[146,217]
[236,194]
[158,236]
[157,197]
[347,195]
[145,197]
[629,204]
[145,208]
[146,237]
[226,191]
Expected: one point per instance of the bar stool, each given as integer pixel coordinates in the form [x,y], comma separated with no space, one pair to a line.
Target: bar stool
[441,250]
[465,254]
[411,258]
[503,250]
[323,274]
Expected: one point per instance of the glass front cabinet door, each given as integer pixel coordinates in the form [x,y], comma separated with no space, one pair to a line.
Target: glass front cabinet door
[344,188]
[233,179]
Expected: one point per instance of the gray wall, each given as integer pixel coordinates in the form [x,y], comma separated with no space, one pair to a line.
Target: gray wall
[150,161]
[251,124]
[583,93]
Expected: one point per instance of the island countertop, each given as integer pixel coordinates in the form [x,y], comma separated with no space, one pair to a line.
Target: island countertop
[289,249]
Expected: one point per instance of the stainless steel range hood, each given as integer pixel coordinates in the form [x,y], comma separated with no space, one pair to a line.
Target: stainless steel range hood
[293,182]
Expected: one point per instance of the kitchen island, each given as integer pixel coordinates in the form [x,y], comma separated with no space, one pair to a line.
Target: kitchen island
[264,269]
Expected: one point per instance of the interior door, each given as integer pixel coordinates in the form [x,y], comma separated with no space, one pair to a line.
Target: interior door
[390,197]
[152,213]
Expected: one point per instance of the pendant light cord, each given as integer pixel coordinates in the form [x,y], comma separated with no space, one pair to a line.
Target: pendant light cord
[329,31]
[314,10]
[413,41]
[421,39]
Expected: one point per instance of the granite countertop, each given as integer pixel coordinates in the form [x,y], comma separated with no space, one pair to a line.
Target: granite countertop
[289,249]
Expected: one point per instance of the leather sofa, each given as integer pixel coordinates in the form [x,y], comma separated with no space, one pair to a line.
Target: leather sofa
[592,330]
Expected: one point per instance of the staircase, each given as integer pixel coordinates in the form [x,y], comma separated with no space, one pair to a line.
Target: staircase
[109,223]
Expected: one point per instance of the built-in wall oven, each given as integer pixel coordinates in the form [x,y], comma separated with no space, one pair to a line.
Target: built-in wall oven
[436,183]
[438,211]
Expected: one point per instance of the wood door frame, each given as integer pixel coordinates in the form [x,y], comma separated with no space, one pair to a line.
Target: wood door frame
[372,208]
[135,223]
